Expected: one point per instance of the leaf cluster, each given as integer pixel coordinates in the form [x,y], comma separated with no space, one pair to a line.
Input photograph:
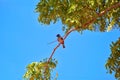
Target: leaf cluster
[40,70]
[113,62]
[79,13]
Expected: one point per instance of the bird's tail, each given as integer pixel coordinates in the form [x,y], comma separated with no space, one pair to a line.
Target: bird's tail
[63,45]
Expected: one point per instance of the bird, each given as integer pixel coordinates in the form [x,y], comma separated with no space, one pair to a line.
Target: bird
[60,40]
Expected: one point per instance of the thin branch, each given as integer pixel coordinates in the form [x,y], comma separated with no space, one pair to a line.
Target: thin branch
[84,25]
[102,13]
[71,30]
[108,9]
[59,43]
[53,52]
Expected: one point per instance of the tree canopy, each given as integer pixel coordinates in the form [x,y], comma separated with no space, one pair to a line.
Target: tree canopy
[92,15]
[78,15]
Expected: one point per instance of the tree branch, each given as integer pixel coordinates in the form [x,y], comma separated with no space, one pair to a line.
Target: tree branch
[60,44]
[53,52]
[102,13]
[71,30]
[86,24]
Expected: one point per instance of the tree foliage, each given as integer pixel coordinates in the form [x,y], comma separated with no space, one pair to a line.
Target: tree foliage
[113,63]
[79,15]
[40,70]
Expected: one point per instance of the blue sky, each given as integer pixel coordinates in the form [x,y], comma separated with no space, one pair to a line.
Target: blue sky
[24,40]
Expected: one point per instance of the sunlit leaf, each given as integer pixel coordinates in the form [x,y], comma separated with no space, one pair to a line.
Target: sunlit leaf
[110,25]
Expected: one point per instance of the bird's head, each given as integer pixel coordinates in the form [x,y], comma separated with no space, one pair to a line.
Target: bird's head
[58,35]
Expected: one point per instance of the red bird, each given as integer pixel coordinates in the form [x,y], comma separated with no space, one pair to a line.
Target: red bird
[60,40]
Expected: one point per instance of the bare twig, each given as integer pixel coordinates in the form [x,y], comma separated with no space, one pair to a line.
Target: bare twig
[71,30]
[53,52]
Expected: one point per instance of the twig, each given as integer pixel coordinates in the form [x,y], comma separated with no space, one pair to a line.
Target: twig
[53,52]
[71,30]
[52,42]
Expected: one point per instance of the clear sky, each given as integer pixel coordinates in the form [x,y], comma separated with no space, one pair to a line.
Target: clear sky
[24,40]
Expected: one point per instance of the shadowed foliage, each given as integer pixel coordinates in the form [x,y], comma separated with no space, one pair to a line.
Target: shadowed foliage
[113,63]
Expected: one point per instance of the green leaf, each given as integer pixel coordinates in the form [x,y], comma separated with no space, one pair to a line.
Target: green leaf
[110,25]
